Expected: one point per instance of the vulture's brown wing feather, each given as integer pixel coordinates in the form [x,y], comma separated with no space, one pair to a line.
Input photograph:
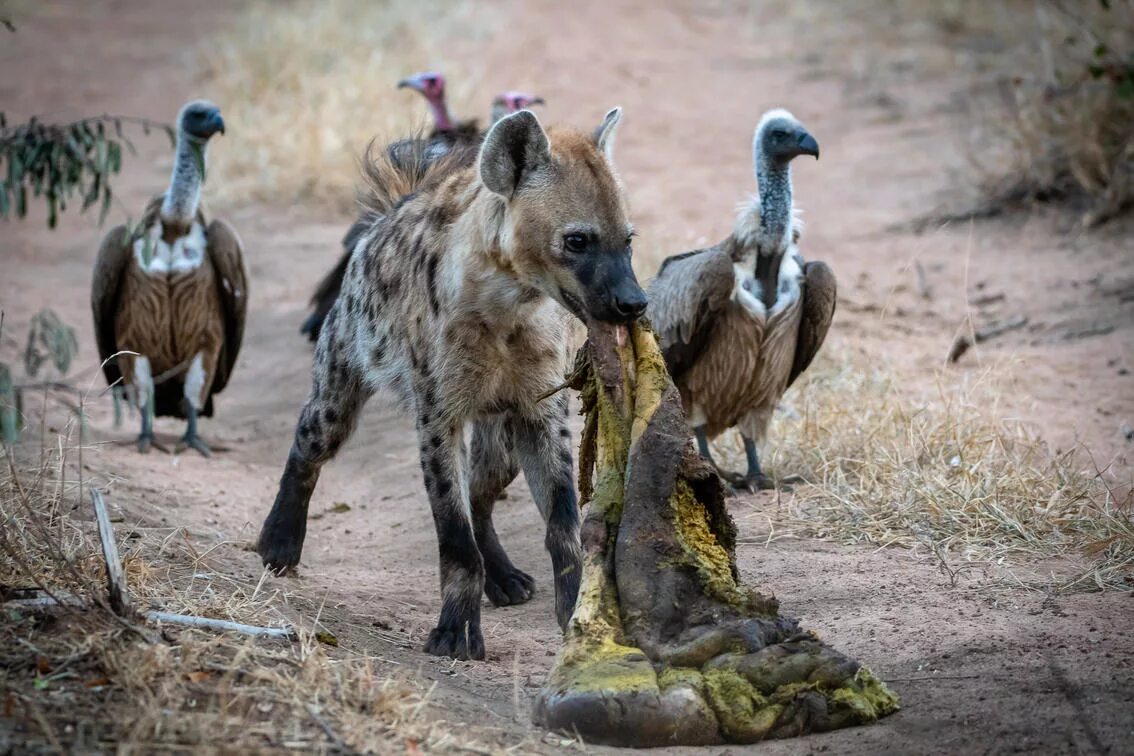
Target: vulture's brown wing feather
[113,258]
[227,257]
[685,298]
[817,311]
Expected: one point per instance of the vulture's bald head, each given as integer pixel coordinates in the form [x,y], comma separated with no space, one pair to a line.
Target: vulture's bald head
[200,119]
[430,84]
[780,138]
[514,100]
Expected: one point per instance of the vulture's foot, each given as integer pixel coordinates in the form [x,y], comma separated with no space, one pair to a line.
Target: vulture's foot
[146,441]
[195,442]
[748,482]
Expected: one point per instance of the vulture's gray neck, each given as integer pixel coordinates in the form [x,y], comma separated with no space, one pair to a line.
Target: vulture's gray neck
[184,195]
[773,181]
[499,110]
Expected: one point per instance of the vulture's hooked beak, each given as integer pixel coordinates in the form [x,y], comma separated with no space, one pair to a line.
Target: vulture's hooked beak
[419,82]
[808,145]
[217,122]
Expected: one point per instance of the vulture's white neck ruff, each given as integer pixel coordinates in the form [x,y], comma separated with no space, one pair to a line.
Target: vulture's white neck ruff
[179,208]
[157,257]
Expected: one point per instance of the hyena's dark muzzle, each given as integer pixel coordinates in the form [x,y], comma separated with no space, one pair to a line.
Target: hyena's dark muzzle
[611,291]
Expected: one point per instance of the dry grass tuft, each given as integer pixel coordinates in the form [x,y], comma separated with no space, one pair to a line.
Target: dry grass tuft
[306,85]
[80,678]
[1045,89]
[1066,126]
[943,475]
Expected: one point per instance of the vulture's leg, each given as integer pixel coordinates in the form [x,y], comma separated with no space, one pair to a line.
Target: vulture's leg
[493,467]
[195,379]
[543,445]
[144,389]
[736,480]
[703,443]
[326,421]
[755,479]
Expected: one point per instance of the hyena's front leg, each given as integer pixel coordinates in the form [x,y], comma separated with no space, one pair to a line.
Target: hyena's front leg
[326,421]
[444,462]
[544,448]
[493,467]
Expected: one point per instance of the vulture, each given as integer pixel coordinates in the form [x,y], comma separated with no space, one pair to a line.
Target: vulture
[445,135]
[740,321]
[174,292]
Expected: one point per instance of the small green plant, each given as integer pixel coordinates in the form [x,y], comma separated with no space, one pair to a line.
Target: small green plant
[50,340]
[61,161]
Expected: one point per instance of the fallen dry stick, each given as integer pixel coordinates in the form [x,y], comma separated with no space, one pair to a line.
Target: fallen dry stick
[120,595]
[665,646]
[216,624]
[990,331]
[115,576]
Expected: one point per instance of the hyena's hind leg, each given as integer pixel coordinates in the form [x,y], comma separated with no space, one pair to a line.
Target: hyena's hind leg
[492,468]
[543,445]
[326,421]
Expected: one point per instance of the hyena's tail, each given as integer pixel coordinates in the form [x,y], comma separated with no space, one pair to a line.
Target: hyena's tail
[407,166]
[391,173]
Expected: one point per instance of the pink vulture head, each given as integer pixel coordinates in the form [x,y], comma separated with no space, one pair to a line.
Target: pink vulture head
[431,85]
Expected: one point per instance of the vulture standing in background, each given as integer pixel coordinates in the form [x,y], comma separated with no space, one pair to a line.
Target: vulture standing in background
[174,290]
[445,135]
[740,321]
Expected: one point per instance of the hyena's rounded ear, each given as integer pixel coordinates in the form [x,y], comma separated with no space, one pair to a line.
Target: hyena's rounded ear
[514,147]
[604,134]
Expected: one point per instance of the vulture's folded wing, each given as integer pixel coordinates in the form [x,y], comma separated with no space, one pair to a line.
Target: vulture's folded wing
[818,309]
[110,265]
[227,257]
[685,298]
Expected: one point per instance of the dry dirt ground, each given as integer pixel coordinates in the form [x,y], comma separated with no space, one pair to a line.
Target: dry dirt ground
[980,669]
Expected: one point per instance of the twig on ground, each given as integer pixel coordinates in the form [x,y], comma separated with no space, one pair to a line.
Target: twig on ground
[990,331]
[326,728]
[216,624]
[923,287]
[61,599]
[115,576]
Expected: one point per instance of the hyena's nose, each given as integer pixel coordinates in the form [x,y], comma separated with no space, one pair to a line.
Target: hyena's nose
[630,302]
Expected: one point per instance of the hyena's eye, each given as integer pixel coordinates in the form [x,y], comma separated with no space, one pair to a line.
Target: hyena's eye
[575,243]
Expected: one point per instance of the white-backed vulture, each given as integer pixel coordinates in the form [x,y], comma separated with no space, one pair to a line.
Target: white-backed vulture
[445,136]
[739,322]
[175,292]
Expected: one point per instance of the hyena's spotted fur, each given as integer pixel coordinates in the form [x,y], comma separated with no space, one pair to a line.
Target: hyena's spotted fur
[455,300]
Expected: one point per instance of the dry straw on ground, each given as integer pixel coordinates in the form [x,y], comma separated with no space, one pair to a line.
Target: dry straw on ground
[946,476]
[305,90]
[82,678]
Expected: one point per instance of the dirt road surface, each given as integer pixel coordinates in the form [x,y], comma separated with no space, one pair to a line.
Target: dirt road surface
[979,669]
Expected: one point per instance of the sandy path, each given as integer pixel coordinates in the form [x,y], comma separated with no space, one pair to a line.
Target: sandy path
[979,670]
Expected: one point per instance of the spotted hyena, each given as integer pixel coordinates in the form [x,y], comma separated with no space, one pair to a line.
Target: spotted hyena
[458,299]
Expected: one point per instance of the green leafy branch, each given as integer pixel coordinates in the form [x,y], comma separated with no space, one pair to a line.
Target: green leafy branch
[59,161]
[50,341]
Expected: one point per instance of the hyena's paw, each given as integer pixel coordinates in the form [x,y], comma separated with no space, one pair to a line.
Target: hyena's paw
[508,587]
[280,543]
[462,642]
